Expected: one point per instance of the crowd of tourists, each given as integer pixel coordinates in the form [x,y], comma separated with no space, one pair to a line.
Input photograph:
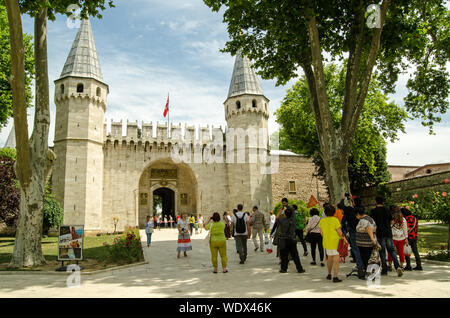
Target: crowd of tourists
[375,238]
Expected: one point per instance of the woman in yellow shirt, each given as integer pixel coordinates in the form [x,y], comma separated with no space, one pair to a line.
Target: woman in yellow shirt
[218,241]
[330,228]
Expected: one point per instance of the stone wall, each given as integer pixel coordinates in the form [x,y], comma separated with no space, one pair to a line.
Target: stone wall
[299,169]
[403,191]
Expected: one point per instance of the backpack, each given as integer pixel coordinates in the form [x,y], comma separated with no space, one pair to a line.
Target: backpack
[240,224]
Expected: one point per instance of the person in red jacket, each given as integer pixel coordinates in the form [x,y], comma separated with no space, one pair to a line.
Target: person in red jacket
[413,229]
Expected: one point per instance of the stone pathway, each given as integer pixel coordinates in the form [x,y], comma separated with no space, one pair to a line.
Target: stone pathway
[166,276]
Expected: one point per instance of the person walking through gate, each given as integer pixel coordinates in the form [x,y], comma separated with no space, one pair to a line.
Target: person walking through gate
[184,239]
[287,240]
[314,236]
[191,223]
[413,228]
[349,222]
[218,241]
[258,224]
[330,227]
[383,219]
[299,226]
[149,226]
[365,238]
[240,224]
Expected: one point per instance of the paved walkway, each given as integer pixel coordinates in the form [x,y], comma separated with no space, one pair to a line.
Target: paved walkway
[167,276]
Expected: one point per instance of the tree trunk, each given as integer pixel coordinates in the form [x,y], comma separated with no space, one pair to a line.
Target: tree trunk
[337,177]
[28,248]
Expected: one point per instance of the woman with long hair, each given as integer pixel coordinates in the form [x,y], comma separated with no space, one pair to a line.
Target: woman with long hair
[399,236]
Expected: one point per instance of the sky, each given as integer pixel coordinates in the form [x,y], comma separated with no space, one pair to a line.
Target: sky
[149,48]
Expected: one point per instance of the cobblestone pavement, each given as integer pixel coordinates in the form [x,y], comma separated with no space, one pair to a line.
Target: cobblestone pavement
[167,276]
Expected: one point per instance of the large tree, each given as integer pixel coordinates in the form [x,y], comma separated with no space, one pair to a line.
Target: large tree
[34,158]
[5,68]
[379,119]
[282,36]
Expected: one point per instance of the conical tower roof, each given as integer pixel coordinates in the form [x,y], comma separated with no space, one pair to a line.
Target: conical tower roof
[83,60]
[244,79]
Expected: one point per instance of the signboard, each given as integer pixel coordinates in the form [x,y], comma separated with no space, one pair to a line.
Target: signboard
[70,242]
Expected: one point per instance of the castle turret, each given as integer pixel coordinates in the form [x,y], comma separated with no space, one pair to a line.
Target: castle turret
[80,98]
[247,113]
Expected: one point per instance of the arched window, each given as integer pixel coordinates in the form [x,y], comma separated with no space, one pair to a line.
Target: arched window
[80,88]
[62,88]
[99,92]
[254,103]
[238,105]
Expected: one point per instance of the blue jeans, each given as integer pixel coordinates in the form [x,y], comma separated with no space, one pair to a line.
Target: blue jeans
[355,250]
[149,238]
[388,244]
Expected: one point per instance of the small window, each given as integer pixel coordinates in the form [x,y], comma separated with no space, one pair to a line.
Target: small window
[99,92]
[238,105]
[62,88]
[292,186]
[428,171]
[254,103]
[80,88]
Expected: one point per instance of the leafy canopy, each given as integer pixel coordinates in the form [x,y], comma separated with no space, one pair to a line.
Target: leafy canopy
[5,68]
[415,36]
[379,120]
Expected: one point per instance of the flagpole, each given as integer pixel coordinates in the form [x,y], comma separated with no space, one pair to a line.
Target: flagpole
[168,116]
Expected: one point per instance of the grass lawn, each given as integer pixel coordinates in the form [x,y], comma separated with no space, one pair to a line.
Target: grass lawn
[95,254]
[431,238]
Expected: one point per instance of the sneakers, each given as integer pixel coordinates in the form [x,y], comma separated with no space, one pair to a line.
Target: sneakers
[399,272]
[408,268]
[336,280]
[283,271]
[417,268]
[329,277]
[389,268]
[301,271]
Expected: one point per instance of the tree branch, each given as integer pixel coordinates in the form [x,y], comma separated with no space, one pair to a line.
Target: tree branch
[353,66]
[329,132]
[370,62]
[17,81]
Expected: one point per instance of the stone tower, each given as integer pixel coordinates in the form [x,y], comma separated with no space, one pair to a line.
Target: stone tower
[80,98]
[247,113]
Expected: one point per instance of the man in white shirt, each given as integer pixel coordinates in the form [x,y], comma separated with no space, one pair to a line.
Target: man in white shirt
[240,224]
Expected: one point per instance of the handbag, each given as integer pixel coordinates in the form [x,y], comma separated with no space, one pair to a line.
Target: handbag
[308,235]
[408,249]
[343,248]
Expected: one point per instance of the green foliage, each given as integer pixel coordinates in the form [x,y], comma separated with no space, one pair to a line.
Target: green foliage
[302,208]
[10,153]
[9,191]
[379,119]
[126,248]
[274,34]
[5,68]
[384,191]
[53,213]
[431,206]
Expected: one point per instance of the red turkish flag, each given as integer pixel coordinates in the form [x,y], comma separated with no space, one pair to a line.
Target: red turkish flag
[166,110]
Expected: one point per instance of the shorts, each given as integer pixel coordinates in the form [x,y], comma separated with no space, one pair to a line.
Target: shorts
[332,252]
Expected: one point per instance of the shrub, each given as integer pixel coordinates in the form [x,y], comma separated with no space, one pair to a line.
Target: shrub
[302,207]
[9,192]
[53,213]
[126,248]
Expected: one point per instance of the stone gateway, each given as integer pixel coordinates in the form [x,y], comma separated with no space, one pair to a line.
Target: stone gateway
[100,175]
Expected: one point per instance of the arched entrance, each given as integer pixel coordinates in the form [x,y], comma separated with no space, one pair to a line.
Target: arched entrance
[164,202]
[173,186]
